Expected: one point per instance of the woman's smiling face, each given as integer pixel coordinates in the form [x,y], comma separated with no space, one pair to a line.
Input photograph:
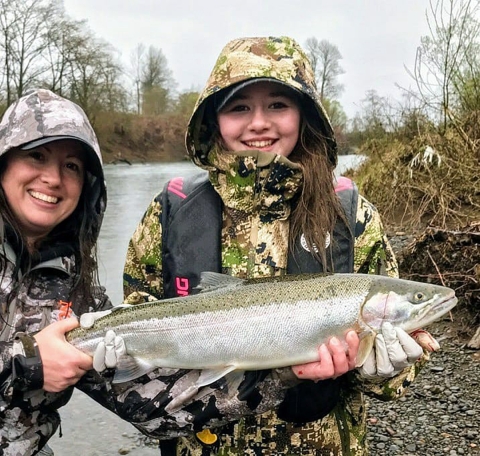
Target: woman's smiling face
[43,185]
[262,116]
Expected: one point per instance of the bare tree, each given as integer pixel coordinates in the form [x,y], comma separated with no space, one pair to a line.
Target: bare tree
[23,30]
[84,68]
[30,43]
[325,59]
[55,56]
[447,58]
[94,77]
[137,58]
[41,46]
[157,82]
[6,28]
[375,115]
[64,38]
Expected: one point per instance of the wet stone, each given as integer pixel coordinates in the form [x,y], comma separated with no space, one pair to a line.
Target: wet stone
[439,415]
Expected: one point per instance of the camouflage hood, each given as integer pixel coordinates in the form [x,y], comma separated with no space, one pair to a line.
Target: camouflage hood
[278,59]
[42,114]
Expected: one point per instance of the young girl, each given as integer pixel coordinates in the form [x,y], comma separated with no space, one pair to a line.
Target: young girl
[269,205]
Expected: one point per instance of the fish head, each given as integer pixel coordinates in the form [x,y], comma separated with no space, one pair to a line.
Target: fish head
[406,304]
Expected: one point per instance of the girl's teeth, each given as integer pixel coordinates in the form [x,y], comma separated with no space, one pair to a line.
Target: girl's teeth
[43,197]
[259,143]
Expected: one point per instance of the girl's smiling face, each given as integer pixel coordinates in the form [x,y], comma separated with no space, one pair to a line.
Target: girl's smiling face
[43,185]
[262,116]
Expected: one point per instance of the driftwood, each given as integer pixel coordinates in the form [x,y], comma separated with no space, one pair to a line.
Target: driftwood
[450,258]
[121,160]
[475,340]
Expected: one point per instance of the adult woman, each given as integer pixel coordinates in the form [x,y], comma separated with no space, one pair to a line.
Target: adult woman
[52,200]
[270,206]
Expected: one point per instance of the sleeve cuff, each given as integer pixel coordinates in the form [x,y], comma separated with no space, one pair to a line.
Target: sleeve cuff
[27,363]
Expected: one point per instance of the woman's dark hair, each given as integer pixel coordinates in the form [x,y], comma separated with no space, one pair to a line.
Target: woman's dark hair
[77,235]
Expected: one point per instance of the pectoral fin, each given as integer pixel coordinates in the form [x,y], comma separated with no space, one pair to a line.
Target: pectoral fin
[212,375]
[129,368]
[233,380]
[367,340]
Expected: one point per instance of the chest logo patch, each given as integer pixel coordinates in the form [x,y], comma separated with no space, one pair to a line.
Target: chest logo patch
[304,245]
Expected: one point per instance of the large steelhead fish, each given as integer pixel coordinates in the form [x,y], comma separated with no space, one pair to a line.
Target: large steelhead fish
[236,325]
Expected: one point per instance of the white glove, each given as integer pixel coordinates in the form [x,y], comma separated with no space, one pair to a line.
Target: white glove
[393,351]
[111,348]
[87,320]
[109,351]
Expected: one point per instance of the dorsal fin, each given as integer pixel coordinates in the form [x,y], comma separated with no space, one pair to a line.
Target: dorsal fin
[210,281]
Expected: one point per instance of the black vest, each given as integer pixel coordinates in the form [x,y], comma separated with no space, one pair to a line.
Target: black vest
[191,234]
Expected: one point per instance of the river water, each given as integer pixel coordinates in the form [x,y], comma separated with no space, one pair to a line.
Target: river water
[87,428]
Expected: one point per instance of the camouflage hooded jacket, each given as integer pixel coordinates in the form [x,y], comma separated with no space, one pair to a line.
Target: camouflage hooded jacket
[41,294]
[256,194]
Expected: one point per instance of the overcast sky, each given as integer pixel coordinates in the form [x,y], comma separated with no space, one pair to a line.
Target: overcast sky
[377,38]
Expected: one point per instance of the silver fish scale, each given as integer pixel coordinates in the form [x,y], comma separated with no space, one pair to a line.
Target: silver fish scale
[243,326]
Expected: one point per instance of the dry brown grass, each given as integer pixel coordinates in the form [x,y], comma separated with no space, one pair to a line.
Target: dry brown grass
[433,194]
[429,180]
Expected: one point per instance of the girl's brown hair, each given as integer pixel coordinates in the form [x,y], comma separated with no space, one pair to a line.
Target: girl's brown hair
[318,208]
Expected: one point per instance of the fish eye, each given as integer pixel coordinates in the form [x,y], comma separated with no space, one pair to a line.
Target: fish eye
[418,296]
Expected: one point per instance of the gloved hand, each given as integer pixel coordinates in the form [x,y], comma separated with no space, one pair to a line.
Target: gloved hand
[393,351]
[111,348]
[109,351]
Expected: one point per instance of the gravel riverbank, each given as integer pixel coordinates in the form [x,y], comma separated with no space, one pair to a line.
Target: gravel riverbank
[440,413]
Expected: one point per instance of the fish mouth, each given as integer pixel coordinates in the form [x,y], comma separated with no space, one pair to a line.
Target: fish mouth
[438,310]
